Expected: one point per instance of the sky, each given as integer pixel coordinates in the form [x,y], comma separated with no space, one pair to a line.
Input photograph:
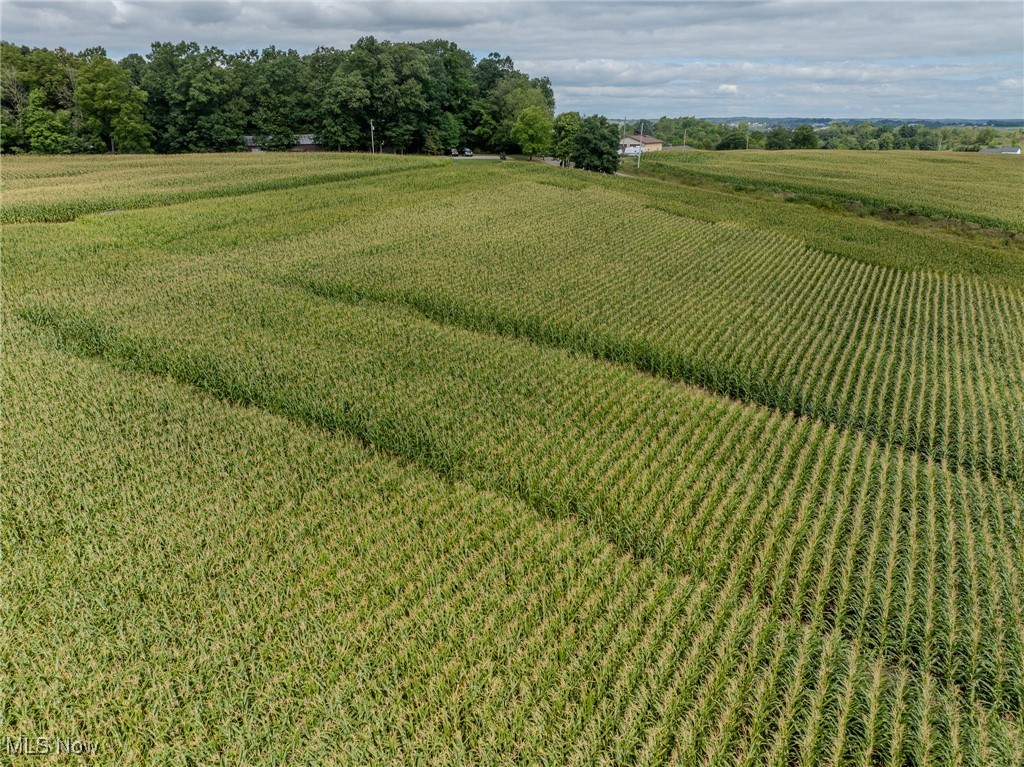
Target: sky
[718,58]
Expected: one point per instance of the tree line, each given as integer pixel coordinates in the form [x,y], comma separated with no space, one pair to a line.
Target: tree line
[180,97]
[705,134]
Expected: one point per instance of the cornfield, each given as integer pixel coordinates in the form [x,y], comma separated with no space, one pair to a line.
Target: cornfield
[984,189]
[479,465]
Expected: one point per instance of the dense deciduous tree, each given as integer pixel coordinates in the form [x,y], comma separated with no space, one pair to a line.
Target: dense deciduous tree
[779,137]
[111,107]
[278,99]
[733,140]
[566,126]
[532,131]
[597,145]
[45,131]
[804,137]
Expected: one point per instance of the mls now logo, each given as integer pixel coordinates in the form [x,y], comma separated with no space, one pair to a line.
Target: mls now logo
[43,746]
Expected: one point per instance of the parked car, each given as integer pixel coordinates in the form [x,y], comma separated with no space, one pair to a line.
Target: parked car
[467,152]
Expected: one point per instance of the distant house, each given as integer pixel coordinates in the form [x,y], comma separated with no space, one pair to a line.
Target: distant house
[1002,150]
[638,144]
[304,142]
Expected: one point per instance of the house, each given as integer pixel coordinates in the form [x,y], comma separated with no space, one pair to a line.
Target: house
[636,144]
[1002,150]
[304,142]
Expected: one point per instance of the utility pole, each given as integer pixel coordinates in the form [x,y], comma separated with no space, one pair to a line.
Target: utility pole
[371,137]
[641,147]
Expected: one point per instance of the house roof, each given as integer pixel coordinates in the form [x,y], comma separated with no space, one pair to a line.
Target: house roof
[1002,150]
[646,139]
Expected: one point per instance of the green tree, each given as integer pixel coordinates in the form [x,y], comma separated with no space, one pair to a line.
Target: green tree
[277,98]
[198,99]
[397,76]
[491,70]
[14,96]
[451,90]
[596,146]
[566,126]
[46,131]
[498,114]
[111,107]
[504,92]
[779,137]
[432,142]
[532,131]
[734,140]
[407,108]
[345,102]
[804,137]
[690,131]
[52,72]
[451,131]
[135,66]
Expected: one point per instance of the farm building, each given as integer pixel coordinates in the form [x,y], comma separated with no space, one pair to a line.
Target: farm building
[1002,150]
[634,144]
[304,142]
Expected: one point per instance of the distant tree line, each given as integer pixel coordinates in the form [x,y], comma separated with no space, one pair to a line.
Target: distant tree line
[705,134]
[180,97]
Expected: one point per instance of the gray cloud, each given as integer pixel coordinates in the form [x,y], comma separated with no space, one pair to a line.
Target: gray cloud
[912,58]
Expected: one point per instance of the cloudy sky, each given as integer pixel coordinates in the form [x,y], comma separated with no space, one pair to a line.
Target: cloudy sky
[828,58]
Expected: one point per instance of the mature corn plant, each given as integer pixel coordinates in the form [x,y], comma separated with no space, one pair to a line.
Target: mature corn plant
[455,496]
[964,186]
[791,328]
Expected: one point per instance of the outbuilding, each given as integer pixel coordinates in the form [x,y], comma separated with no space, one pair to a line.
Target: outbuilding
[303,142]
[637,144]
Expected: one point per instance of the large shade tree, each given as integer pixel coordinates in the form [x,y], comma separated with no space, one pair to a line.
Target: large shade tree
[112,108]
[566,126]
[532,131]
[596,146]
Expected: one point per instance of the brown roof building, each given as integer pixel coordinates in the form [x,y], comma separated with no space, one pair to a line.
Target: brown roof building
[634,144]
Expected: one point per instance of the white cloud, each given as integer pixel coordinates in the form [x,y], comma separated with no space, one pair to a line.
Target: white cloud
[728,88]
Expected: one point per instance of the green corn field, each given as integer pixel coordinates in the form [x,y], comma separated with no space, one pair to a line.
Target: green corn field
[962,186]
[336,459]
